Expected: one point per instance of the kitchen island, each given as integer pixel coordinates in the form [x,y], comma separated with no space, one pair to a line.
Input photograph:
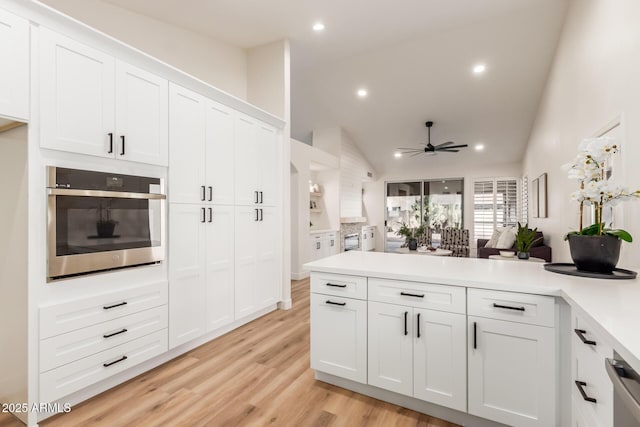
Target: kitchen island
[474,341]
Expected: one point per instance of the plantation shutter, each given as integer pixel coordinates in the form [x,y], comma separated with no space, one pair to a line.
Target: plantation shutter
[524,200]
[507,203]
[483,209]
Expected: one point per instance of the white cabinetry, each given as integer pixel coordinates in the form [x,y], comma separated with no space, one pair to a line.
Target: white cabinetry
[323,245]
[92,104]
[416,351]
[201,241]
[339,325]
[14,73]
[512,362]
[592,391]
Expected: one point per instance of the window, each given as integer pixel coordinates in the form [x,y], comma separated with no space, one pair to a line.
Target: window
[496,203]
[524,200]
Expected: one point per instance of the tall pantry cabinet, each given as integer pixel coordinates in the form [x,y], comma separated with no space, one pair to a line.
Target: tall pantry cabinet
[224,216]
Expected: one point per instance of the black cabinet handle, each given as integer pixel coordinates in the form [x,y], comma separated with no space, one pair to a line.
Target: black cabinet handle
[332,243]
[406,330]
[418,325]
[122,148]
[261,199]
[204,189]
[210,193]
[210,214]
[580,385]
[257,199]
[317,245]
[508,307]
[336,285]
[204,215]
[261,215]
[106,365]
[115,333]
[406,294]
[475,335]
[108,307]
[257,218]
[110,143]
[580,333]
[336,303]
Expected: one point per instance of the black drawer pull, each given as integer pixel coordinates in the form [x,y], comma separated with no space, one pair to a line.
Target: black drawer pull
[115,305]
[580,333]
[406,294]
[508,307]
[475,335]
[580,385]
[110,143]
[406,331]
[418,325]
[336,303]
[114,334]
[336,285]
[106,365]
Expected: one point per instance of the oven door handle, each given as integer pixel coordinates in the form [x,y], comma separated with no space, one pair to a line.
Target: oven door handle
[102,193]
[621,389]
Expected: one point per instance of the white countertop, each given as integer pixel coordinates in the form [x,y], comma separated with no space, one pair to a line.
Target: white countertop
[613,304]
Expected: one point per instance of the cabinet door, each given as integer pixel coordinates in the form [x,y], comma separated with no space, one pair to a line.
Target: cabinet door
[219,153]
[186,146]
[187,309]
[14,73]
[142,104]
[390,347]
[314,250]
[246,161]
[76,97]
[268,164]
[267,241]
[339,337]
[512,372]
[440,358]
[246,260]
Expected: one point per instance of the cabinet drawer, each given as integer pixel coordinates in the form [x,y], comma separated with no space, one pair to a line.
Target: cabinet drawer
[66,348]
[415,294]
[75,376]
[339,285]
[80,313]
[584,335]
[512,306]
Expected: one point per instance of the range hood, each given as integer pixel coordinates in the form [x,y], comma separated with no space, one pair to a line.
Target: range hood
[353,219]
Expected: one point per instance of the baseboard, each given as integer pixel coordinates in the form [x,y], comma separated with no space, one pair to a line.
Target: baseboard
[451,415]
[285,305]
[299,276]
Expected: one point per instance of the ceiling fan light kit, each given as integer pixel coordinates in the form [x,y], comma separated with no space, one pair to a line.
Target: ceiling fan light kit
[432,150]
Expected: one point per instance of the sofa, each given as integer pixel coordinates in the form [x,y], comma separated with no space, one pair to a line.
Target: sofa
[539,250]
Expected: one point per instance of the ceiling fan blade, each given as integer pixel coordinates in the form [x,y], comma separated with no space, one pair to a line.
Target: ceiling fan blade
[456,146]
[444,144]
[448,151]
[409,148]
[416,154]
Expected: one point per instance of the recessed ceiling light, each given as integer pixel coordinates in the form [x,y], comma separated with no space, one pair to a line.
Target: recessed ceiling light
[362,93]
[446,188]
[397,155]
[479,68]
[479,147]
[318,26]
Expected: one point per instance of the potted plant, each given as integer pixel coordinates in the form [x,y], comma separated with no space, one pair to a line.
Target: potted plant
[596,248]
[524,240]
[105,225]
[411,235]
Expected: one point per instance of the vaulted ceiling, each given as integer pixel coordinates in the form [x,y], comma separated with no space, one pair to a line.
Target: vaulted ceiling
[414,57]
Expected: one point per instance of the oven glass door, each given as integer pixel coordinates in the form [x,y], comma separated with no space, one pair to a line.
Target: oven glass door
[85,225]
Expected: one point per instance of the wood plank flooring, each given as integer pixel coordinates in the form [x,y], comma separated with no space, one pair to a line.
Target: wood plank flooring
[256,375]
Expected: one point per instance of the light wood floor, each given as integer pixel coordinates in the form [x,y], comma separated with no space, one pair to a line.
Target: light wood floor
[256,375]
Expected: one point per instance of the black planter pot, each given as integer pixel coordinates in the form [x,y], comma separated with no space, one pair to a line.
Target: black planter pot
[105,228]
[523,255]
[598,254]
[413,244]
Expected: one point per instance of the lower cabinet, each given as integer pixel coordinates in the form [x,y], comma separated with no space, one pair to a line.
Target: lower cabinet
[339,336]
[418,352]
[201,270]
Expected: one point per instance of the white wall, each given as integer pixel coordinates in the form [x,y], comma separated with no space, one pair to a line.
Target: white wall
[13,267]
[438,167]
[217,63]
[595,78]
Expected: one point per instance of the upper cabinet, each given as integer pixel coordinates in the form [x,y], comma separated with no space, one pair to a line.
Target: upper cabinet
[93,104]
[14,72]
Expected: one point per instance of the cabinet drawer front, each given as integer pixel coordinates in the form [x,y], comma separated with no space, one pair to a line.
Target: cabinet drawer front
[62,349]
[75,376]
[585,336]
[512,306]
[76,314]
[339,285]
[422,295]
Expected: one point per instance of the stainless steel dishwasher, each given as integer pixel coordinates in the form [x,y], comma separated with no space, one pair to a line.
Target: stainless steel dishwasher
[626,387]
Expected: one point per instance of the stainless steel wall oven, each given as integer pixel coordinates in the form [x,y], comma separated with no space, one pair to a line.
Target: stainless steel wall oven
[100,221]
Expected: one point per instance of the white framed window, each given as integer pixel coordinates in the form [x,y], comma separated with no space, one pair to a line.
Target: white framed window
[524,200]
[496,203]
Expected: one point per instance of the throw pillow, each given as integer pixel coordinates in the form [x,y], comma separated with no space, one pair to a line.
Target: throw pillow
[507,239]
[493,241]
[538,241]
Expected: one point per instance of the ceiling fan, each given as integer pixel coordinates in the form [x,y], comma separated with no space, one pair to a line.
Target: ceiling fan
[430,149]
